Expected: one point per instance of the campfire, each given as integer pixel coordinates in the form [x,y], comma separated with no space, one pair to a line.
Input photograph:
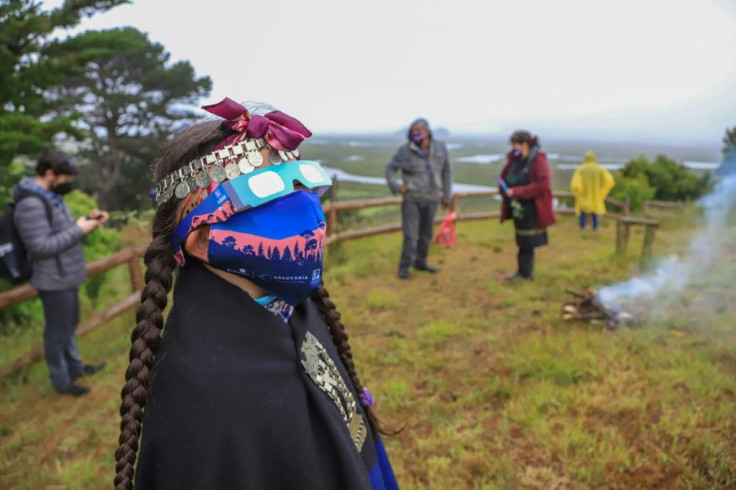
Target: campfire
[587,306]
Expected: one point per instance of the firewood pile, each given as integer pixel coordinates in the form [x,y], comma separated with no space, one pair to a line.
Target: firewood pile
[587,306]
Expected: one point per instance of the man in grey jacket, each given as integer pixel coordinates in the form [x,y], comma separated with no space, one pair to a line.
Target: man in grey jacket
[54,243]
[426,180]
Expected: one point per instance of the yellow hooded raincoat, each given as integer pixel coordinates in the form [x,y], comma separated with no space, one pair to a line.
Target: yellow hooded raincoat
[591,183]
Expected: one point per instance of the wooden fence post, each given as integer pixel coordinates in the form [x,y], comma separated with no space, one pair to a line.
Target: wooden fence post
[332,220]
[646,250]
[136,275]
[335,189]
[621,237]
[453,203]
[627,206]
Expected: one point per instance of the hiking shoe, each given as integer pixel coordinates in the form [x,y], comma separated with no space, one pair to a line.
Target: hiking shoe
[427,268]
[90,369]
[403,274]
[518,277]
[74,390]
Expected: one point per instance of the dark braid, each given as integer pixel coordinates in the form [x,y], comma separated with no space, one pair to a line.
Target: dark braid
[340,337]
[145,338]
[160,264]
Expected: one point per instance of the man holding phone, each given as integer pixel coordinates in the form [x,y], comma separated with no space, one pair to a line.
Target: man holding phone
[53,240]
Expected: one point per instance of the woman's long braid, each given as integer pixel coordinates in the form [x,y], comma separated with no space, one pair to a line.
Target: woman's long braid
[145,339]
[340,337]
[160,264]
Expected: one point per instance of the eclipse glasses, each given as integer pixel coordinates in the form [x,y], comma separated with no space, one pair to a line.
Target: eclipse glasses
[251,190]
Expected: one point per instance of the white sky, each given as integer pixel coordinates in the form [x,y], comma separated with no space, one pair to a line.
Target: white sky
[661,69]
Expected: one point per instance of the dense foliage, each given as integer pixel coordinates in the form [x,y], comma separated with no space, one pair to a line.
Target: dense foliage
[636,189]
[130,98]
[670,180]
[28,117]
[113,91]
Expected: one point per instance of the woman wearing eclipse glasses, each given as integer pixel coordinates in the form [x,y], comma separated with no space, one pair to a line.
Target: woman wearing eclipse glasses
[251,384]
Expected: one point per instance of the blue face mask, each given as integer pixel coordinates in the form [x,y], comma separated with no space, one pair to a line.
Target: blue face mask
[279,246]
[417,137]
[515,152]
[264,230]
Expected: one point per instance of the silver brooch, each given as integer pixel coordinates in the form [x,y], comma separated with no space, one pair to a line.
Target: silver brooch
[322,370]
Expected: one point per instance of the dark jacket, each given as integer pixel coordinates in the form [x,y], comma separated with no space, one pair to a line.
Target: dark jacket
[539,190]
[232,404]
[427,177]
[55,247]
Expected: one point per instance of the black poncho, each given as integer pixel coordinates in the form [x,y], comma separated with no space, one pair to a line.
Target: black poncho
[241,399]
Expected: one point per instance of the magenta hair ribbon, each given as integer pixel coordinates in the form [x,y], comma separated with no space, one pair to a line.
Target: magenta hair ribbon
[281,131]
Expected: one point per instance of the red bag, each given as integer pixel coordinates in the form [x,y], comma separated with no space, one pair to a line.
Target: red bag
[445,236]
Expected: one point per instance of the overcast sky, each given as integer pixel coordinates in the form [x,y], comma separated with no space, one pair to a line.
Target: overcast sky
[656,69]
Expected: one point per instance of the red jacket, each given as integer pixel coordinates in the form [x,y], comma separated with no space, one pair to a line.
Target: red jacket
[538,189]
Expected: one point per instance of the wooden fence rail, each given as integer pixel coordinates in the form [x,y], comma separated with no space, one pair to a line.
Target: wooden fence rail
[131,256]
[647,206]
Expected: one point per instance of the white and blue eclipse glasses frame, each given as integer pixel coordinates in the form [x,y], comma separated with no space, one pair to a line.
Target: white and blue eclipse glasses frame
[251,190]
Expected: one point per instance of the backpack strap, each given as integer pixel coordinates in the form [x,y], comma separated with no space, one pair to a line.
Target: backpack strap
[24,193]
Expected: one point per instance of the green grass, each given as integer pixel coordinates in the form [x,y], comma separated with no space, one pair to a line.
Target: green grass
[495,390]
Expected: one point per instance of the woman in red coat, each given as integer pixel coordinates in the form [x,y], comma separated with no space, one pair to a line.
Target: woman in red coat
[527,199]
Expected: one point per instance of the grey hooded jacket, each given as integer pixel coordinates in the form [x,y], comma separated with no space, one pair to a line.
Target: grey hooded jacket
[55,248]
[427,178]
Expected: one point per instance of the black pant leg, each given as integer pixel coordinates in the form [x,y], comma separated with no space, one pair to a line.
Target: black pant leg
[426,231]
[410,221]
[526,262]
[60,310]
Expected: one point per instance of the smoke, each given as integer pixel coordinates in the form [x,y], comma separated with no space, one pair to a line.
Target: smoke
[672,276]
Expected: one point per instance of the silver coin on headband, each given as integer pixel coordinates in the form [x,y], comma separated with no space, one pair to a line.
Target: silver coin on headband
[181,190]
[232,171]
[203,180]
[166,194]
[191,183]
[254,158]
[244,166]
[285,155]
[218,174]
[274,157]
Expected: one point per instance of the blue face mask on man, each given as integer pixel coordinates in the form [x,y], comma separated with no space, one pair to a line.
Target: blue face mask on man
[516,153]
[418,136]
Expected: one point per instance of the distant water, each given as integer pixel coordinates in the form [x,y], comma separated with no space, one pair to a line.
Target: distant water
[482,159]
[571,162]
[362,179]
[702,165]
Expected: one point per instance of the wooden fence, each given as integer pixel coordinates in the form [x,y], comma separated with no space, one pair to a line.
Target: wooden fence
[332,209]
[131,256]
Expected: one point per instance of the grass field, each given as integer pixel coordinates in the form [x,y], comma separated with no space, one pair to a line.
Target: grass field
[494,389]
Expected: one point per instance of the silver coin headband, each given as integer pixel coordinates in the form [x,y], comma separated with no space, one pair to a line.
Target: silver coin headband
[220,165]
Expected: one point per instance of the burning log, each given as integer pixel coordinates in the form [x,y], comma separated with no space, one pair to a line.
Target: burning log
[588,306]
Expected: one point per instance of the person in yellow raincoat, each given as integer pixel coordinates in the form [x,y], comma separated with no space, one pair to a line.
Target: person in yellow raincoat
[590,184]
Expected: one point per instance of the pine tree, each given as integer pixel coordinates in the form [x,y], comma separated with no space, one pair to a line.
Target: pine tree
[31,64]
[131,98]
